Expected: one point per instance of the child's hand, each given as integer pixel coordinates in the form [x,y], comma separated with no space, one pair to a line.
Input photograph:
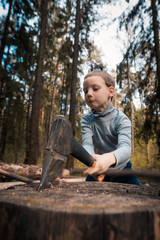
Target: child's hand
[103,162]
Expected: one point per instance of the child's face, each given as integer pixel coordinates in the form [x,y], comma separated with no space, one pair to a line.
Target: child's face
[97,94]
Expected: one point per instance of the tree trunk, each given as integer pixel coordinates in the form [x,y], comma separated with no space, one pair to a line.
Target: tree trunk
[6,27]
[4,130]
[67,99]
[74,68]
[132,107]
[3,80]
[133,124]
[34,127]
[157,47]
[53,100]
[157,54]
[3,140]
[148,150]
[27,127]
[74,77]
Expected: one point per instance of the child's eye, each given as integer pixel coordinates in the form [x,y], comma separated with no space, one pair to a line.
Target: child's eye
[95,89]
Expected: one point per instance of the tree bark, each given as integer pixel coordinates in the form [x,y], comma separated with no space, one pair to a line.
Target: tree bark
[3,127]
[132,115]
[6,27]
[157,54]
[74,77]
[53,100]
[34,126]
[157,47]
[74,68]
[30,171]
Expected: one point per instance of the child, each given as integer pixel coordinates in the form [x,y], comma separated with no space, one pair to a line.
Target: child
[106,131]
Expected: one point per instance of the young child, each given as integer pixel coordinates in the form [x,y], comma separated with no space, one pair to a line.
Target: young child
[106,131]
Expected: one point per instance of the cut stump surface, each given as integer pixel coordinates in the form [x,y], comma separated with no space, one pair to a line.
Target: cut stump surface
[80,211]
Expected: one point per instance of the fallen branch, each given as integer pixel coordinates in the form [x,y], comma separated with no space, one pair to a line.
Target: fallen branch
[15,176]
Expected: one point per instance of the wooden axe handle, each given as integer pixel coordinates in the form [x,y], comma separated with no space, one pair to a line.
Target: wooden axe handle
[131,172]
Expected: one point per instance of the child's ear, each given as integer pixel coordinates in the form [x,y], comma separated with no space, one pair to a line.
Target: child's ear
[111,91]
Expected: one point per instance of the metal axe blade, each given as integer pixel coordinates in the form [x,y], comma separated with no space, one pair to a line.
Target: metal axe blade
[52,167]
[57,150]
[61,143]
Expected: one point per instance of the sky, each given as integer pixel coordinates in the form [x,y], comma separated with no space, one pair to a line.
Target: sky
[106,39]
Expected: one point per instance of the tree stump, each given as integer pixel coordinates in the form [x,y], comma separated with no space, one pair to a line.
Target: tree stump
[80,211]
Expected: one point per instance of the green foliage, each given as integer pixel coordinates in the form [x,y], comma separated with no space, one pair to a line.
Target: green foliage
[18,73]
[141,23]
[78,164]
[145,154]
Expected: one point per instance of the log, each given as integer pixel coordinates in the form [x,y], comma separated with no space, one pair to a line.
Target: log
[34,171]
[28,171]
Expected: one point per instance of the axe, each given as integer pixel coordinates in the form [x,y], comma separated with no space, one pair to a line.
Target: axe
[62,143]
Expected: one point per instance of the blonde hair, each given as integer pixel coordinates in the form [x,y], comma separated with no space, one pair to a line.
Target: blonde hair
[109,80]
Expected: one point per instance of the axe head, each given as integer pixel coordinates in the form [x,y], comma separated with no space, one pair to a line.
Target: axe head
[59,146]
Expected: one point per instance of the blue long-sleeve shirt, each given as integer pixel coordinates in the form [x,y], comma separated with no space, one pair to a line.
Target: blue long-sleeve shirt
[108,131]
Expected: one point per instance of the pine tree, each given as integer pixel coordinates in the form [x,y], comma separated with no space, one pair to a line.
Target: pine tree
[34,125]
[143,53]
[16,64]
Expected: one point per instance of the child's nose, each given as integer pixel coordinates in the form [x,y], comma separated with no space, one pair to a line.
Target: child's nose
[89,93]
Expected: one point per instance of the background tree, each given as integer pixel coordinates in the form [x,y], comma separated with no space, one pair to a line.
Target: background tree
[34,125]
[142,54]
[17,51]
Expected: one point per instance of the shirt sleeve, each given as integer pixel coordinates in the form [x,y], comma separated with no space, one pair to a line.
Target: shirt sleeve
[123,151]
[87,135]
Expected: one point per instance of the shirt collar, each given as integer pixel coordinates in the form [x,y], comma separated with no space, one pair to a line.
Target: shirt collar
[109,109]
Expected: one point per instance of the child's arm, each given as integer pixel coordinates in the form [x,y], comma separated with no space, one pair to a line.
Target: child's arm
[87,136]
[103,162]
